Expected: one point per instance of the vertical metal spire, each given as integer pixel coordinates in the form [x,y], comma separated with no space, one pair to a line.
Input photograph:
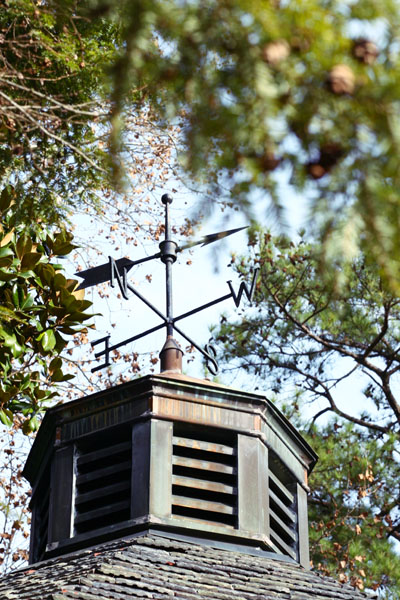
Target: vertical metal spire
[168,257]
[171,354]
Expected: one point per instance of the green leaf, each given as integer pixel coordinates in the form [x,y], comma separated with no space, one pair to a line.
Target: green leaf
[46,273]
[28,302]
[6,251]
[47,340]
[59,281]
[6,257]
[23,245]
[4,274]
[9,315]
[55,364]
[29,260]
[6,417]
[10,341]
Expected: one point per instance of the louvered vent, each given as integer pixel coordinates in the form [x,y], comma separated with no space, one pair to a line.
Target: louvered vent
[41,517]
[282,504]
[103,482]
[204,475]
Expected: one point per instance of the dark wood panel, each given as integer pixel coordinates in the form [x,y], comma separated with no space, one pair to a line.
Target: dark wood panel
[102,492]
[104,472]
[101,512]
[281,487]
[104,452]
[290,514]
[60,513]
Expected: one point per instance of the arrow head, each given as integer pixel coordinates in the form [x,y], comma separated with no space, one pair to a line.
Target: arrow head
[210,238]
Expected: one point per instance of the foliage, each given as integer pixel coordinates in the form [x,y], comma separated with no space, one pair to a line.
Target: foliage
[315,341]
[38,307]
[352,488]
[271,89]
[51,116]
[14,499]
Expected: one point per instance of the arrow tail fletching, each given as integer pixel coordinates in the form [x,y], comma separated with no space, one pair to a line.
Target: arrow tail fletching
[101,273]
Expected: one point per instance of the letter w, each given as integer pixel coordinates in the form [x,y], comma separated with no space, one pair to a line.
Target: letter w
[243,289]
[121,279]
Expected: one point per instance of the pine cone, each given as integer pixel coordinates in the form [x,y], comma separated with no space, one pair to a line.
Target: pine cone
[365,51]
[341,80]
[275,52]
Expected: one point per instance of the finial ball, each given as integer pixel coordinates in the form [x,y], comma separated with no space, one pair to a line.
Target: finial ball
[166,199]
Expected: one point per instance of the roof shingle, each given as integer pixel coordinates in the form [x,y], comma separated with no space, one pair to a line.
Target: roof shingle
[163,569]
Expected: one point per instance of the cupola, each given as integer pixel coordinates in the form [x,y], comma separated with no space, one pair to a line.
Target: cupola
[175,455]
[170,454]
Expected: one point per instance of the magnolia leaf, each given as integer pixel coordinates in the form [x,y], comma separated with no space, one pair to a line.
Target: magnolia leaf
[6,198]
[30,425]
[10,341]
[6,417]
[5,275]
[30,259]
[6,257]
[55,364]
[79,294]
[59,281]
[9,315]
[7,238]
[47,340]
[23,245]
[28,302]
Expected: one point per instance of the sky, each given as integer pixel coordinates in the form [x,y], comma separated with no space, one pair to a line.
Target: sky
[200,275]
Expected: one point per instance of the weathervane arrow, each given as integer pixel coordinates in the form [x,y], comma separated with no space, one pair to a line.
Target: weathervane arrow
[100,274]
[116,271]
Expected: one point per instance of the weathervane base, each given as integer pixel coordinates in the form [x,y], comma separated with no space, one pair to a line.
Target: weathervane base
[171,356]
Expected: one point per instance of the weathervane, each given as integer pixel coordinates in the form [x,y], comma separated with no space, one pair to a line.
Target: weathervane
[116,271]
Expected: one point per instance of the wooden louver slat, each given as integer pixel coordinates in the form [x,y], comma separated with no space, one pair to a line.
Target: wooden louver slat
[213,486]
[204,505]
[204,477]
[103,482]
[103,453]
[193,463]
[282,489]
[102,473]
[206,446]
[274,500]
[282,508]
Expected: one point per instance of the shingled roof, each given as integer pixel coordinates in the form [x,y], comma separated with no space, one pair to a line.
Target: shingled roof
[159,568]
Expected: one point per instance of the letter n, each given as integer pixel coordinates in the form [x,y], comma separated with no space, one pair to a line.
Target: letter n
[121,279]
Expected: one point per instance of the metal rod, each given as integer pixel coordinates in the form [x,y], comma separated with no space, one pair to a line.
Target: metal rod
[148,303]
[131,339]
[168,259]
[195,310]
[188,339]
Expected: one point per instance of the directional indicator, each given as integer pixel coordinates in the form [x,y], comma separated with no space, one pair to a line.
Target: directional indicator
[116,271]
[101,273]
